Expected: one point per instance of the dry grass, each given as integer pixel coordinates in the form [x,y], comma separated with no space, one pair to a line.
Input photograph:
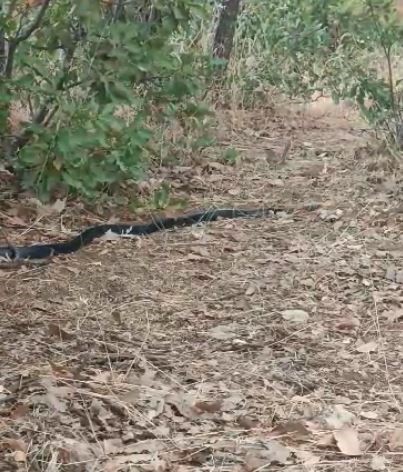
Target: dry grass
[174,352]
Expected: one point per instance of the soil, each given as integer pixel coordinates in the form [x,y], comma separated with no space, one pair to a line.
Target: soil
[246,345]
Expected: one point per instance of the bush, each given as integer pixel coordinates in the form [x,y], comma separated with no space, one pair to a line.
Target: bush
[82,82]
[341,47]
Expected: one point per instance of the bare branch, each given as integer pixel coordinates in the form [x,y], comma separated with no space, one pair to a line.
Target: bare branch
[35,23]
[22,35]
[45,114]
[118,10]
[11,8]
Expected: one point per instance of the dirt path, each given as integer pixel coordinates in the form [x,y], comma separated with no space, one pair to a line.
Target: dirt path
[239,346]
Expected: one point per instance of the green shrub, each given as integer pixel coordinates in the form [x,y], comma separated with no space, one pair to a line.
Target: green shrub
[343,47]
[94,82]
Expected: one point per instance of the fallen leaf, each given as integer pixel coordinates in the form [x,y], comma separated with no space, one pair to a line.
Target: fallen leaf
[19,411]
[57,331]
[295,316]
[327,440]
[378,463]
[347,324]
[56,396]
[159,465]
[348,442]
[339,418]
[275,182]
[308,459]
[393,315]
[367,347]
[391,273]
[330,215]
[273,453]
[19,456]
[17,445]
[59,205]
[291,427]
[201,251]
[209,407]
[115,464]
[46,210]
[224,332]
[396,441]
[250,290]
[247,423]
[370,415]
[181,404]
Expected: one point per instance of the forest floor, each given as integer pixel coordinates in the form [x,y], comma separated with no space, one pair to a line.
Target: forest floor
[245,345]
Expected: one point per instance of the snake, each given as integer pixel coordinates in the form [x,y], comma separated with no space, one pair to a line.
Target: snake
[41,252]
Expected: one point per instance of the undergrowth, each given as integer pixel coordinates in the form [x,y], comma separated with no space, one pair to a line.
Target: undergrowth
[92,93]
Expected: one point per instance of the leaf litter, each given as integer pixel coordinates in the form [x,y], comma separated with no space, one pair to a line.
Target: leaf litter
[239,346]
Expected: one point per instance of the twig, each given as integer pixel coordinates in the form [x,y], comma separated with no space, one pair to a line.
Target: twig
[285,152]
[45,114]
[22,36]
[35,24]
[118,10]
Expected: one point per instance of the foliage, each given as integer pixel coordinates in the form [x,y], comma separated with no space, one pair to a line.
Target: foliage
[94,80]
[339,46]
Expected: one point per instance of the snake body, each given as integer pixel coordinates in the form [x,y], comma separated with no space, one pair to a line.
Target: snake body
[44,251]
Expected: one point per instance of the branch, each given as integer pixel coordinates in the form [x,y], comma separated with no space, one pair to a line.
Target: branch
[35,23]
[11,8]
[118,10]
[22,36]
[44,115]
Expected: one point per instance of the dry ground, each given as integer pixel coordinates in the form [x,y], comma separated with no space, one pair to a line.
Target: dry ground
[246,345]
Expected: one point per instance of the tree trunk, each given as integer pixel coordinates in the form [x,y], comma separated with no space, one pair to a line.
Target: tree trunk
[224,35]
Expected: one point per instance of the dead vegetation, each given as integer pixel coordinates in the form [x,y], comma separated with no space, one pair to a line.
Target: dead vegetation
[246,345]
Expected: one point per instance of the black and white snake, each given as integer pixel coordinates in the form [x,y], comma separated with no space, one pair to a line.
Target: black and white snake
[39,252]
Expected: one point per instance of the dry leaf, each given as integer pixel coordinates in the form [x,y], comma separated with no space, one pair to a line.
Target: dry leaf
[348,442]
[182,405]
[378,463]
[17,445]
[247,423]
[59,205]
[250,290]
[308,459]
[209,407]
[274,453]
[370,415]
[19,456]
[396,441]
[160,465]
[291,427]
[56,396]
[295,316]
[391,273]
[327,440]
[19,411]
[201,251]
[348,324]
[339,418]
[57,331]
[224,332]
[367,347]
[46,210]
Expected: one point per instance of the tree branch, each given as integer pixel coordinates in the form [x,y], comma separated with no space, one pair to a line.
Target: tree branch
[23,35]
[45,113]
[35,23]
